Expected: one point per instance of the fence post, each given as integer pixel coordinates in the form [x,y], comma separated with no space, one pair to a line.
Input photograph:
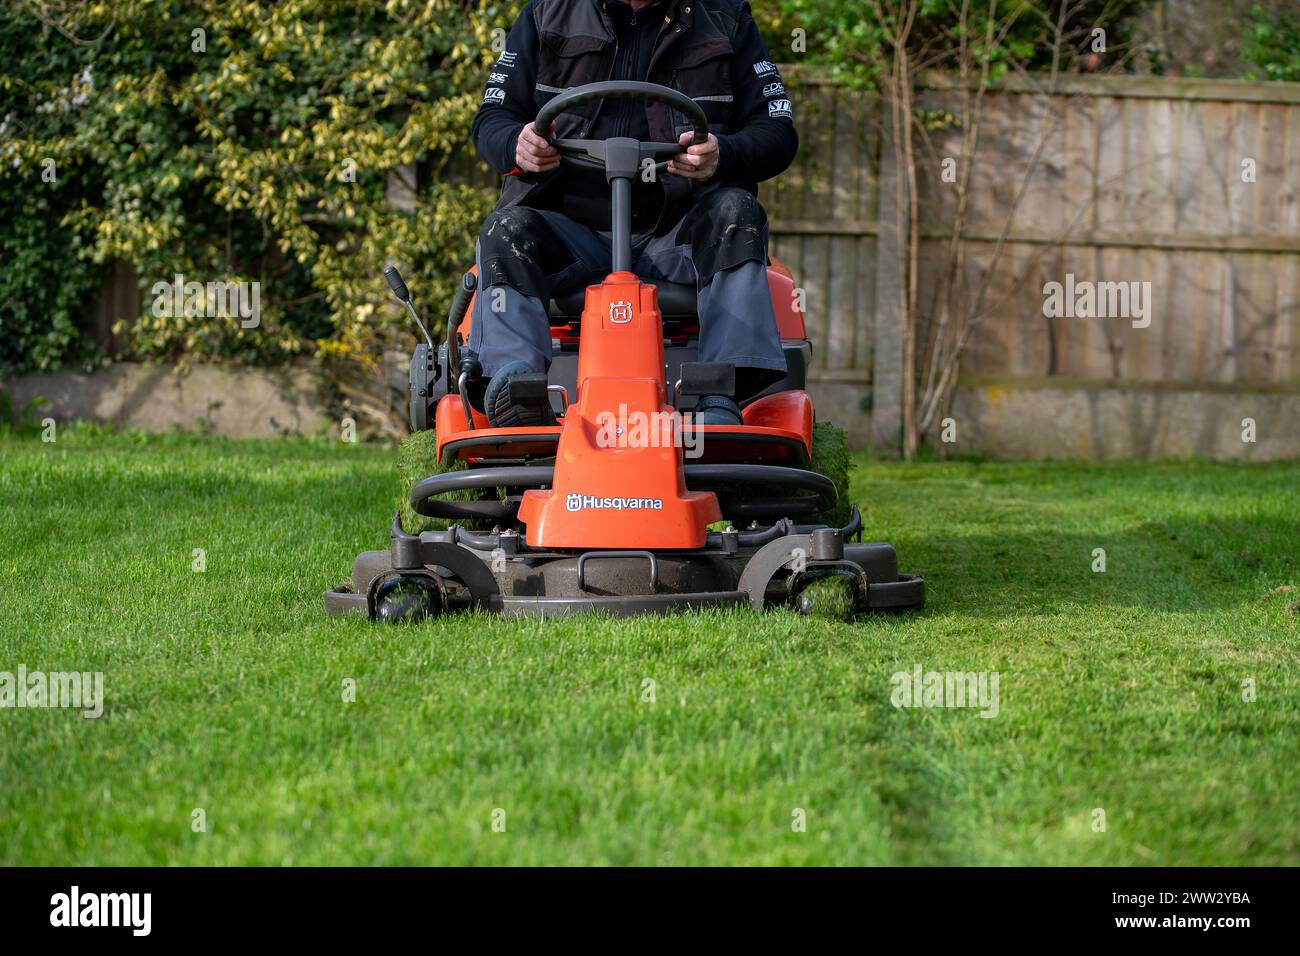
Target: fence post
[887,352]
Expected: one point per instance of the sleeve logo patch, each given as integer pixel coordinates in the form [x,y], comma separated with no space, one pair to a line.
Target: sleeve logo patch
[764,67]
[494,94]
[501,78]
[773,89]
[507,59]
[779,108]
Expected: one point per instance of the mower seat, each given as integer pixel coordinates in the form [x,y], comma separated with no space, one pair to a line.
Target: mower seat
[676,301]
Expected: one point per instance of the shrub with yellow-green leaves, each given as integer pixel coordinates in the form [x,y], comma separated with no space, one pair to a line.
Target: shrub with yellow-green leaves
[235,141]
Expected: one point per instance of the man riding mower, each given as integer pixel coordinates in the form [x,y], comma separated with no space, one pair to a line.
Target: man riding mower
[632,136]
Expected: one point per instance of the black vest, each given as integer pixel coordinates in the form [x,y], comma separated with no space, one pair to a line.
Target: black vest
[693,55]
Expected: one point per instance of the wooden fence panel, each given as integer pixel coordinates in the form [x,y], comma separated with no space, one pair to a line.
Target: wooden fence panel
[823,213]
[1144,186]
[1139,179]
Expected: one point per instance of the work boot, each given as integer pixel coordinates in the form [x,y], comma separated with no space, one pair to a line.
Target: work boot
[517,398]
[717,410]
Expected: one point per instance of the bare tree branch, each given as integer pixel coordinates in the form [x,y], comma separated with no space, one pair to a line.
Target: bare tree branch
[51,14]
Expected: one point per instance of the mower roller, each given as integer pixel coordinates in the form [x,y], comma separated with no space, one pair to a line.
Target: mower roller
[610,509]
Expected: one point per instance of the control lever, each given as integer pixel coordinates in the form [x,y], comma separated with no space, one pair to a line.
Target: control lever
[470,369]
[459,306]
[398,285]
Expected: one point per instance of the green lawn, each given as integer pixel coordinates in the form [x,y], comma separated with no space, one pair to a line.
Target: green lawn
[1120,691]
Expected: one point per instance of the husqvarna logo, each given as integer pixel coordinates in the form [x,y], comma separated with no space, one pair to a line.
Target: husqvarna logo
[576,502]
[620,313]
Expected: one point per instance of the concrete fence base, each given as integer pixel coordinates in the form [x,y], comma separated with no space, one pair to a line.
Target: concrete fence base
[1010,421]
[1041,419]
[1006,419]
[846,405]
[241,402]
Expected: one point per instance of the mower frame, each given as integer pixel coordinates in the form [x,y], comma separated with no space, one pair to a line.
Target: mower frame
[497,572]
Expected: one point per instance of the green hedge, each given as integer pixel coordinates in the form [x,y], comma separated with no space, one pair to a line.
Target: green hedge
[230,155]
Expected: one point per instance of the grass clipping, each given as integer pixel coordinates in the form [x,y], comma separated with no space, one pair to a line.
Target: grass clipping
[417,459]
[830,457]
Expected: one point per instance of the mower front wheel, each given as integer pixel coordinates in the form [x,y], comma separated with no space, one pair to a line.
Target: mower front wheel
[405,598]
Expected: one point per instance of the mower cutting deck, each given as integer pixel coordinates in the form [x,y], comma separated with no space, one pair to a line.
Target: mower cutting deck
[610,509]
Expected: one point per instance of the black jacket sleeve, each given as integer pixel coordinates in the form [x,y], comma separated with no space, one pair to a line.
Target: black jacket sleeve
[765,141]
[508,96]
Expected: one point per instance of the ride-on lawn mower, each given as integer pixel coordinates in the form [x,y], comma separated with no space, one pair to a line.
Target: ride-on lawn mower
[603,511]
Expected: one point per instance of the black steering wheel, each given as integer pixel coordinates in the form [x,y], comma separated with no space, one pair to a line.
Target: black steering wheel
[592,153]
